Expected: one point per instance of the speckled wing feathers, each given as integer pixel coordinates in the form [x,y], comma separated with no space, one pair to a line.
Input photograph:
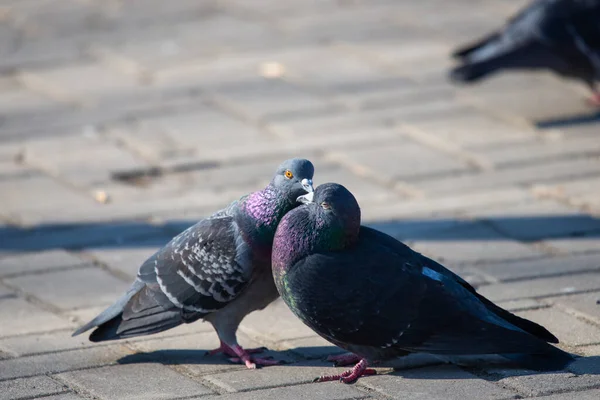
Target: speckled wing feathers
[202,269]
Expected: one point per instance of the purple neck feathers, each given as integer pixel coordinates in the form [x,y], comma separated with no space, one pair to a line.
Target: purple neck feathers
[261,212]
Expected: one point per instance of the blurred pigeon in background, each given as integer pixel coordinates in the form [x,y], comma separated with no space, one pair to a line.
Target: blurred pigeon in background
[370,294]
[559,35]
[218,270]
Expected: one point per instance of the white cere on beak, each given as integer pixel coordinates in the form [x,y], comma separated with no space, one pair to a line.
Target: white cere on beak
[307,185]
[307,198]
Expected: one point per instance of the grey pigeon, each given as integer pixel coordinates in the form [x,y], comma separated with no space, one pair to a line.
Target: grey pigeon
[369,294]
[559,35]
[218,270]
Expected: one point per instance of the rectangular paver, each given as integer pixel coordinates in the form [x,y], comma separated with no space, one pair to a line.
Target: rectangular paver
[30,387]
[443,382]
[134,381]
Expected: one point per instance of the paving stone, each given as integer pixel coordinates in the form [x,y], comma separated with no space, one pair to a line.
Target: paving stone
[583,395]
[530,383]
[59,362]
[36,262]
[443,206]
[262,98]
[187,351]
[310,347]
[65,396]
[515,176]
[20,317]
[72,289]
[584,303]
[548,99]
[541,267]
[75,232]
[400,161]
[538,220]
[127,260]
[536,150]
[21,196]
[466,132]
[472,243]
[324,391]
[291,374]
[30,387]
[365,190]
[593,350]
[82,160]
[579,244]
[519,305]
[7,293]
[46,342]
[568,329]
[440,382]
[157,382]
[542,287]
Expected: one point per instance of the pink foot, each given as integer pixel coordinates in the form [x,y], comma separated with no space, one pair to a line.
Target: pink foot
[344,359]
[594,100]
[351,375]
[242,356]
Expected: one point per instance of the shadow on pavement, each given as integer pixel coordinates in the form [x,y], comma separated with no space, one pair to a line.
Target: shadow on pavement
[495,367]
[136,234]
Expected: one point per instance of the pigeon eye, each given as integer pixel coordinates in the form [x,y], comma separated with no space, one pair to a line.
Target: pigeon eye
[288,174]
[325,205]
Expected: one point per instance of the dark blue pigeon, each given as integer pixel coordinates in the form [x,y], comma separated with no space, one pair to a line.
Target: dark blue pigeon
[370,294]
[218,270]
[559,35]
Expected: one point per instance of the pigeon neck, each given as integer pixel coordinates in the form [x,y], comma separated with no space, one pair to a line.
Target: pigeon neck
[263,210]
[299,235]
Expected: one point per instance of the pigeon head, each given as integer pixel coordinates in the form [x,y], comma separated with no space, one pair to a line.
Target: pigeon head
[329,220]
[293,178]
[335,212]
[261,211]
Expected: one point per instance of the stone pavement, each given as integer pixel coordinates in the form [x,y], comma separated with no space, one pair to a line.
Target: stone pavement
[124,121]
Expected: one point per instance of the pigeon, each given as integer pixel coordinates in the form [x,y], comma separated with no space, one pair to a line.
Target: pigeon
[218,270]
[373,296]
[559,35]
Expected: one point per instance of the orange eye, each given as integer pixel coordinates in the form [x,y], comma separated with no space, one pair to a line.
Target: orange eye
[288,174]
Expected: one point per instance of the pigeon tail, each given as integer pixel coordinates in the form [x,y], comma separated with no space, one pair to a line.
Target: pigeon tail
[142,315]
[466,51]
[489,59]
[549,358]
[529,326]
[112,311]
[119,328]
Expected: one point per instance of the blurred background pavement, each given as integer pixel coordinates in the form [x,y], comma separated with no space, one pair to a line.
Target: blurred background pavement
[124,122]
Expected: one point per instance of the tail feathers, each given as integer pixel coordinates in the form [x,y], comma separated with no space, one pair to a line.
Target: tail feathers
[472,72]
[528,326]
[492,58]
[112,311]
[465,51]
[548,359]
[139,325]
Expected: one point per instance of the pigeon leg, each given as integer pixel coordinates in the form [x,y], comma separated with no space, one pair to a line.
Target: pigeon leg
[344,359]
[595,99]
[225,349]
[360,369]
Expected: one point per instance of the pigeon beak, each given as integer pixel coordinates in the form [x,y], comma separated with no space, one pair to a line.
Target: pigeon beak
[307,185]
[307,198]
